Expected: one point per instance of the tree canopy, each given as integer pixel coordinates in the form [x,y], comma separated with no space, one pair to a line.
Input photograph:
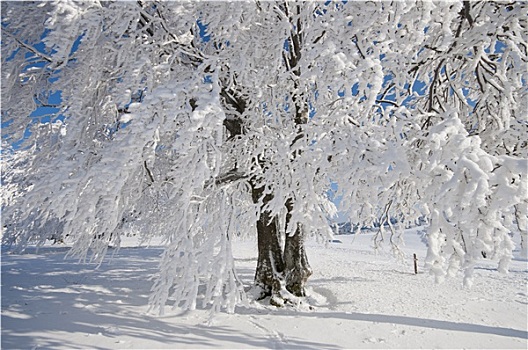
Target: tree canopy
[202,122]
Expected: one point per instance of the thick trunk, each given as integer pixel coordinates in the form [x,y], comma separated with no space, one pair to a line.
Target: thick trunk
[277,268]
[270,264]
[297,269]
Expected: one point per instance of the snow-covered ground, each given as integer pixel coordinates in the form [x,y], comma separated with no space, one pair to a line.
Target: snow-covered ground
[360,299]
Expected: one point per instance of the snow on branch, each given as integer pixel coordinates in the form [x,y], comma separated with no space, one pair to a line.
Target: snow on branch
[192,121]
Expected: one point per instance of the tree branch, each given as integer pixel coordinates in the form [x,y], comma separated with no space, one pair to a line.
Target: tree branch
[28,47]
[149,173]
[227,178]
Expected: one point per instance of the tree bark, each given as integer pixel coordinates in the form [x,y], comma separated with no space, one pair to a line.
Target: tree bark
[297,269]
[270,264]
[275,267]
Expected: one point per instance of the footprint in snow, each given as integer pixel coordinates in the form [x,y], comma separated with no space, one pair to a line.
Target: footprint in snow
[112,330]
[373,340]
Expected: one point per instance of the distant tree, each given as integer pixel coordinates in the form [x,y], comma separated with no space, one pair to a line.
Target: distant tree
[204,121]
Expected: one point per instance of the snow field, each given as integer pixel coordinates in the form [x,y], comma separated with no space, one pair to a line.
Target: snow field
[359,298]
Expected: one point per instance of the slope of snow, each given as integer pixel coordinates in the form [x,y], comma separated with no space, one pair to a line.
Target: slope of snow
[359,298]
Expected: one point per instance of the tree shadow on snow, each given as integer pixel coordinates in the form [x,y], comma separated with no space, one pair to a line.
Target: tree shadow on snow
[425,323]
[391,319]
[395,319]
[45,296]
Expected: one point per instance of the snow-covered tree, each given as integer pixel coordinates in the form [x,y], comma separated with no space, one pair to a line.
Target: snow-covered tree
[204,121]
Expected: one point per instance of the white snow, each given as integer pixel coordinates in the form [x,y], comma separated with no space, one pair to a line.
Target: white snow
[359,298]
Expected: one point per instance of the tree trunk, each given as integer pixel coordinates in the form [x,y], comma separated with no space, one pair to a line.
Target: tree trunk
[297,269]
[270,264]
[276,267]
